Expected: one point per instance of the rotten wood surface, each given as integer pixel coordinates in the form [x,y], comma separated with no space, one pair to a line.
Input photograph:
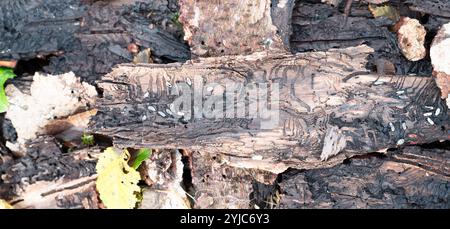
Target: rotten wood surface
[334,112]
[236,27]
[318,27]
[48,178]
[409,178]
[88,37]
[330,107]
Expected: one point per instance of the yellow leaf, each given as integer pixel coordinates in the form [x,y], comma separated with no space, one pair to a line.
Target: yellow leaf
[5,205]
[385,11]
[116,181]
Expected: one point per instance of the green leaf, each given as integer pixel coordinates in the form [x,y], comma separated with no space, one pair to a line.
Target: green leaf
[5,74]
[143,154]
[87,139]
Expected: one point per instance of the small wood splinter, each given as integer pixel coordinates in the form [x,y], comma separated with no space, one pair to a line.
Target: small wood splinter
[347,8]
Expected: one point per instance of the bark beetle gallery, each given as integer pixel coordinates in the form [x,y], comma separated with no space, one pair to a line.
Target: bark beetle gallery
[225,104]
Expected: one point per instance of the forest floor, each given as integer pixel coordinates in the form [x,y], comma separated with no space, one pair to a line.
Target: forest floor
[77,91]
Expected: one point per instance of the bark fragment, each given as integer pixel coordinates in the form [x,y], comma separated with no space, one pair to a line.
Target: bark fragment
[440,58]
[218,185]
[164,173]
[409,178]
[235,27]
[47,178]
[411,38]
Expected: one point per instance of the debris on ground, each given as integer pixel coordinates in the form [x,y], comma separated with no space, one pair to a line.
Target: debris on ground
[88,37]
[361,122]
[440,58]
[251,26]
[51,97]
[163,172]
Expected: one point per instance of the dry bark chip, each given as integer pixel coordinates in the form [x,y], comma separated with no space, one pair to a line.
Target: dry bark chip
[440,58]
[411,38]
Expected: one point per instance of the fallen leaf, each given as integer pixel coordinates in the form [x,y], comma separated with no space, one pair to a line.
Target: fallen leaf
[116,181]
[5,205]
[386,11]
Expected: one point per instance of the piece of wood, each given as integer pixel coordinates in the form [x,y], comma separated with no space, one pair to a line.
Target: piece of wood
[45,177]
[440,58]
[216,185]
[230,27]
[330,107]
[319,27]
[88,37]
[407,178]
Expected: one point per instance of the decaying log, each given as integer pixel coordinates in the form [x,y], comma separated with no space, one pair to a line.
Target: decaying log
[403,179]
[330,107]
[411,177]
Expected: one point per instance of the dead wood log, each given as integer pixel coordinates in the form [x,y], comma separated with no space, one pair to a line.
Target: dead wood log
[328,105]
[410,177]
[402,179]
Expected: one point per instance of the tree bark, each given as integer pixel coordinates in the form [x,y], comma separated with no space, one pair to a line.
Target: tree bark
[328,105]
[407,178]
[48,178]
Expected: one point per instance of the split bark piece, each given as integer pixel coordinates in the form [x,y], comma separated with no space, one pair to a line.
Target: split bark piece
[47,178]
[411,38]
[440,58]
[233,27]
[164,172]
[217,185]
[410,178]
[324,97]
